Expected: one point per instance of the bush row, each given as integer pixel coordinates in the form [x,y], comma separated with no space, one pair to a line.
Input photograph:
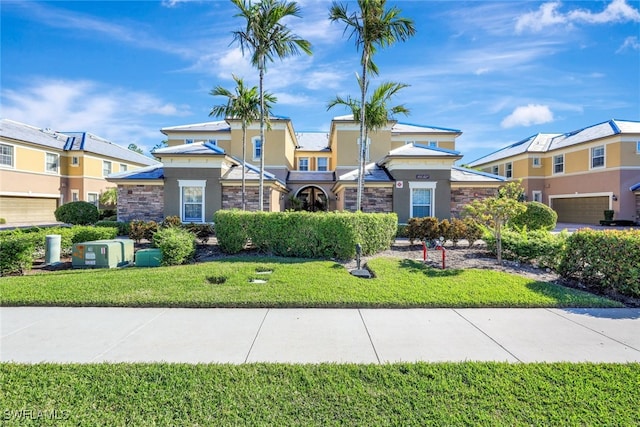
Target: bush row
[428,229]
[537,247]
[305,234]
[604,260]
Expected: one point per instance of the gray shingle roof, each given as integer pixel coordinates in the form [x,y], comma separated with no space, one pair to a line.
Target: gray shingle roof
[459,174]
[313,141]
[413,128]
[91,143]
[538,143]
[207,126]
[23,132]
[189,149]
[149,172]
[252,173]
[372,173]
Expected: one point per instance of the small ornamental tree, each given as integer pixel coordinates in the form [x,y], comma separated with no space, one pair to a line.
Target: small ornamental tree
[495,212]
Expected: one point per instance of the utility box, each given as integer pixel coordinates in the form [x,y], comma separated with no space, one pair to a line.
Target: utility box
[148,258]
[102,254]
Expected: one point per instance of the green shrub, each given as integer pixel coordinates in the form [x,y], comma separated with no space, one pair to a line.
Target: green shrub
[178,246]
[604,260]
[139,230]
[402,231]
[171,221]
[16,255]
[80,213]
[538,247]
[424,229]
[202,231]
[305,234]
[458,231]
[105,214]
[473,231]
[538,216]
[123,227]
[88,234]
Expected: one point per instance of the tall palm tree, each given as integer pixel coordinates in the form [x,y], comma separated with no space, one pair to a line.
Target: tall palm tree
[376,109]
[372,27]
[266,37]
[243,104]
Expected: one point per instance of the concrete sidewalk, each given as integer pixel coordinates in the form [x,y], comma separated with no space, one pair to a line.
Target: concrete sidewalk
[90,335]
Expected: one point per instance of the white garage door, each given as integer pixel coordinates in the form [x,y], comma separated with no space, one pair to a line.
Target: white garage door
[27,209]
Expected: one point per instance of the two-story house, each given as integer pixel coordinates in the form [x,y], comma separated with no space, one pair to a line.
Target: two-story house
[410,170]
[41,169]
[579,174]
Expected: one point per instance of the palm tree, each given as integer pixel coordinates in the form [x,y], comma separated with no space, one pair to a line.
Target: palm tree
[376,110]
[266,37]
[243,104]
[372,27]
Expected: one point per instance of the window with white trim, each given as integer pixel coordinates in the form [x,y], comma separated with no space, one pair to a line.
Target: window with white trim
[188,141]
[597,157]
[6,155]
[192,200]
[303,164]
[537,196]
[422,199]
[123,167]
[535,162]
[508,170]
[257,147]
[323,163]
[75,161]
[92,198]
[433,143]
[52,162]
[75,195]
[495,170]
[558,164]
[106,168]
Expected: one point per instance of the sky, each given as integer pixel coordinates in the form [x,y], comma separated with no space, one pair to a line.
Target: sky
[499,71]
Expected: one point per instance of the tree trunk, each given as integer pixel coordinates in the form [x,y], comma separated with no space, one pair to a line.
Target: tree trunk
[499,242]
[262,143]
[363,142]
[244,155]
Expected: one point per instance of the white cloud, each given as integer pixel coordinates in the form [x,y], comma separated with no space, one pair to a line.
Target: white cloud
[630,43]
[532,114]
[548,15]
[117,114]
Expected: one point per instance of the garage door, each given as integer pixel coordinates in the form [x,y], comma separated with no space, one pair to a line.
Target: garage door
[27,209]
[581,210]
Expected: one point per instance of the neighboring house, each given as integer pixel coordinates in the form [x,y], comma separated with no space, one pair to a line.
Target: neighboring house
[579,174]
[410,171]
[41,169]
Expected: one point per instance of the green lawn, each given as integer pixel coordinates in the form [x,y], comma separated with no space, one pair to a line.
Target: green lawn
[281,395]
[290,283]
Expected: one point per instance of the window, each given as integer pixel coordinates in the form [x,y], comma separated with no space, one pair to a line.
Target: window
[257,148]
[433,143]
[188,141]
[106,168]
[495,170]
[409,142]
[213,142]
[422,198]
[537,196]
[123,167]
[75,161]
[323,164]
[6,155]
[558,164]
[535,162]
[508,170]
[51,163]
[597,157]
[638,147]
[75,195]
[303,164]
[92,198]
[191,200]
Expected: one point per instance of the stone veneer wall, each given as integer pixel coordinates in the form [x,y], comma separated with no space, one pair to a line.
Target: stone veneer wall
[374,199]
[232,198]
[638,207]
[460,197]
[143,202]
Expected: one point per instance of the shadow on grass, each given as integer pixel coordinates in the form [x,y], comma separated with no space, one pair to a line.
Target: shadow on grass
[418,267]
[567,297]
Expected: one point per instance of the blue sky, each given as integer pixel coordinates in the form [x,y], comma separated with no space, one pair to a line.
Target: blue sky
[498,71]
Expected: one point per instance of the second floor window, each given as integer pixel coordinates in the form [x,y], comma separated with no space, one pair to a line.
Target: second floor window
[6,155]
[323,164]
[303,164]
[495,170]
[536,162]
[558,164]
[508,170]
[106,168]
[597,157]
[257,148]
[51,163]
[123,167]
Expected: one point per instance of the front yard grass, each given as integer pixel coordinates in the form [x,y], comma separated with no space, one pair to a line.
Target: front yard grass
[417,394]
[289,283]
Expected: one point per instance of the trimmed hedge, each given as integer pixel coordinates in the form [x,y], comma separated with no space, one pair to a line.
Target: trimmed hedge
[538,247]
[538,216]
[604,260]
[15,255]
[305,234]
[77,213]
[178,246]
[123,227]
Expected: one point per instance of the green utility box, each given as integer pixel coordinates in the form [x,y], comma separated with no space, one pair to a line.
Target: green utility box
[102,254]
[148,258]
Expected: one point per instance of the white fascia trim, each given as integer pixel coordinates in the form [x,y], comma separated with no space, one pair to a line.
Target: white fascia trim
[192,182]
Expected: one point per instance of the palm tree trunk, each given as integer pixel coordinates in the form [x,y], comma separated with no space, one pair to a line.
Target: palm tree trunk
[244,159]
[262,142]
[363,142]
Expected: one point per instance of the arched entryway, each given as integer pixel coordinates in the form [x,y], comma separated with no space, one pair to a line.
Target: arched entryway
[312,199]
